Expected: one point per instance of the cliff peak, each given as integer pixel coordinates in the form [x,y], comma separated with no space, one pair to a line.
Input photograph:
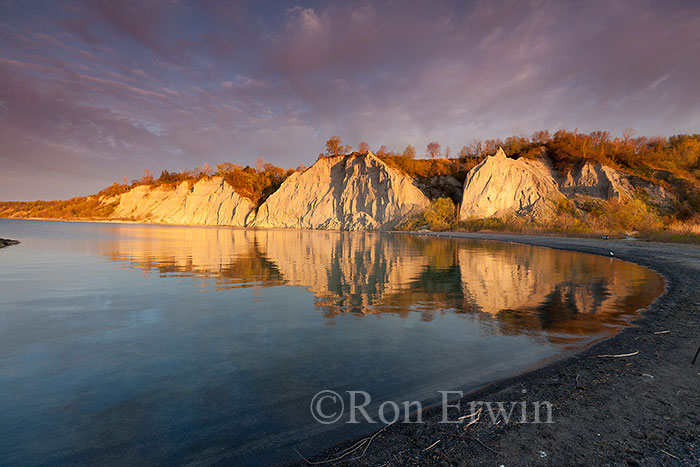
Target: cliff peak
[351,192]
[500,186]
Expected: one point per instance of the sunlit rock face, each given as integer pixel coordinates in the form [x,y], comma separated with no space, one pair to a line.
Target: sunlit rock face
[206,202]
[353,192]
[500,186]
[599,181]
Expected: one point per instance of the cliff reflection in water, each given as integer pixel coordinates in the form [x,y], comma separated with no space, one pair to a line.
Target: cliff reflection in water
[517,289]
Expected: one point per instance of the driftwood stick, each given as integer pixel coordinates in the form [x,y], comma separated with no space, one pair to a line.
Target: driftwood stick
[696,356]
[620,355]
[365,442]
[478,417]
[432,445]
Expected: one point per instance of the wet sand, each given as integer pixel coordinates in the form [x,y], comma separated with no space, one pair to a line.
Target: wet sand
[642,409]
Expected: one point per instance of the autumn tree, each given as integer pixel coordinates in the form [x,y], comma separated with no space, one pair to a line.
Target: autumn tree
[448,152]
[147,177]
[226,167]
[541,137]
[410,152]
[476,149]
[363,147]
[334,147]
[382,151]
[165,177]
[492,145]
[433,149]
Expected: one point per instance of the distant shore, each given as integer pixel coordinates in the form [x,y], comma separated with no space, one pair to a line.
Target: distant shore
[7,242]
[639,408]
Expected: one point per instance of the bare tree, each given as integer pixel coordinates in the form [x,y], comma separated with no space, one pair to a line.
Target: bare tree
[434,149]
[448,152]
[207,170]
[363,147]
[259,162]
[476,149]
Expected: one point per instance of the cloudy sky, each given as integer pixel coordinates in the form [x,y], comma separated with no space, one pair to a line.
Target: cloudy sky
[92,91]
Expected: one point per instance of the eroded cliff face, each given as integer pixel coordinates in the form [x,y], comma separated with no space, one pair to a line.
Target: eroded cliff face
[500,187]
[353,192]
[598,181]
[206,202]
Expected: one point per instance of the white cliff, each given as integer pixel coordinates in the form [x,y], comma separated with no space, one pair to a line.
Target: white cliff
[500,186]
[353,192]
[206,202]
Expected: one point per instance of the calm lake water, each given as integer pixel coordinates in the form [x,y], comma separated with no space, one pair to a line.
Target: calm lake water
[142,345]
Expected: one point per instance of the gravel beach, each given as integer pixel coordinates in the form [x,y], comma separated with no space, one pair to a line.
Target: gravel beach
[608,409]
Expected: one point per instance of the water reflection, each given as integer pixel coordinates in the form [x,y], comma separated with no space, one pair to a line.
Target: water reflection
[166,345]
[543,293]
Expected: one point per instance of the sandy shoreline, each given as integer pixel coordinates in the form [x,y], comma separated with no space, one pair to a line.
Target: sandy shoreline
[637,410]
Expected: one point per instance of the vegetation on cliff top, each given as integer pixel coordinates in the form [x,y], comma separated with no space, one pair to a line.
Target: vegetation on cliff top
[256,184]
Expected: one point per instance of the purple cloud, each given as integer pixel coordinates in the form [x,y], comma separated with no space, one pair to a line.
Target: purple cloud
[93,91]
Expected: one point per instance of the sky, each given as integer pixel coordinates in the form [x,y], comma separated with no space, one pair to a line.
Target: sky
[94,91]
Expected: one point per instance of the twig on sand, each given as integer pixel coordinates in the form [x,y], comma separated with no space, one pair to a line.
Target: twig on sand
[478,417]
[463,417]
[668,454]
[620,355]
[662,332]
[696,356]
[363,443]
[432,445]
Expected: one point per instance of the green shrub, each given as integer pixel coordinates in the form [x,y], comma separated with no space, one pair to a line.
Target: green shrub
[440,215]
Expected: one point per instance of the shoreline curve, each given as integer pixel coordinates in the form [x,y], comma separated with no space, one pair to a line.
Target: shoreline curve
[637,410]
